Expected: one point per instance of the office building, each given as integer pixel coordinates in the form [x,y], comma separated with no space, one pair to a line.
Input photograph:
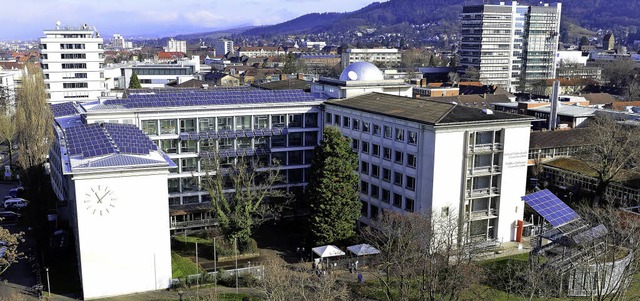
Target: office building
[437,158]
[511,46]
[72,60]
[176,46]
[223,46]
[118,42]
[389,57]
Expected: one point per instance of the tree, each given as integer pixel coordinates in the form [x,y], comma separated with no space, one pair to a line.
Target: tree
[242,195]
[34,127]
[134,82]
[8,133]
[293,65]
[333,189]
[10,245]
[623,75]
[614,150]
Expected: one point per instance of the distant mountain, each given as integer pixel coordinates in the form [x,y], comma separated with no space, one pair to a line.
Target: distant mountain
[593,14]
[215,34]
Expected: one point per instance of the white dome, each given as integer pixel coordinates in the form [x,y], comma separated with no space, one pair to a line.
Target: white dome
[361,71]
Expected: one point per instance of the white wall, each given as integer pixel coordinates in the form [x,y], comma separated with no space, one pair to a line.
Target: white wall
[448,179]
[127,250]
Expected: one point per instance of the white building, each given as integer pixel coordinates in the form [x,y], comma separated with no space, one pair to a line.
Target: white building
[102,175]
[391,57]
[7,88]
[118,42]
[360,78]
[441,158]
[176,46]
[158,75]
[72,60]
[510,45]
[223,46]
[571,57]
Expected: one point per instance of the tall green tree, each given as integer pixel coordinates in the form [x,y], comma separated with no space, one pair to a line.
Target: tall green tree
[333,189]
[134,82]
[8,133]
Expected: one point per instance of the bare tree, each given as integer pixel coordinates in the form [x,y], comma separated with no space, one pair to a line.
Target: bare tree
[242,195]
[614,151]
[34,125]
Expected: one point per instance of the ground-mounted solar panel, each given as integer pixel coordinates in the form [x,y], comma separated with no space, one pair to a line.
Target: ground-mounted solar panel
[550,207]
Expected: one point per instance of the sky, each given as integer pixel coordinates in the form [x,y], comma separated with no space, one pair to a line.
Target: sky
[133,18]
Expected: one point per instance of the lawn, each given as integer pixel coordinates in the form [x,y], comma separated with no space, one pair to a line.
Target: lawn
[182,266]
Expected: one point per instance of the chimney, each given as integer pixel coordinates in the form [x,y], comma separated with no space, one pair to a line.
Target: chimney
[554,99]
[423,82]
[300,76]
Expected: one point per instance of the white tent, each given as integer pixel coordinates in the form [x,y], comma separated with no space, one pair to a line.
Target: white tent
[328,251]
[363,249]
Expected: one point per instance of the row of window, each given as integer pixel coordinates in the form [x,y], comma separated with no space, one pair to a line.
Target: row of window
[399,179]
[212,124]
[192,184]
[372,211]
[74,66]
[71,46]
[74,85]
[298,139]
[374,149]
[69,56]
[376,129]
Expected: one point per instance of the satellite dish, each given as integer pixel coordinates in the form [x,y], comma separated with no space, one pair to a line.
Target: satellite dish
[58,23]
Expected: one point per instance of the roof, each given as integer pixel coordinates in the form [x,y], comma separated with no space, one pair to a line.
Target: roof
[170,55]
[567,110]
[631,179]
[359,71]
[554,139]
[599,98]
[287,84]
[423,111]
[473,101]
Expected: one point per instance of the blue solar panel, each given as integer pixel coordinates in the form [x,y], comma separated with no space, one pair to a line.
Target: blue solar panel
[63,109]
[551,208]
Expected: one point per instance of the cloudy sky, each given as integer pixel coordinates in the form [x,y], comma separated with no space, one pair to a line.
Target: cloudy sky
[25,19]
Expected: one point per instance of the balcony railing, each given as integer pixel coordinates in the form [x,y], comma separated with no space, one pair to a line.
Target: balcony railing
[193,224]
[233,134]
[484,170]
[485,147]
[489,191]
[230,153]
[481,214]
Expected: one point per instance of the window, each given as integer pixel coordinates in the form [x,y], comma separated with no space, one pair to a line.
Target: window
[409,205]
[399,157]
[295,120]
[44,66]
[376,130]
[397,200]
[397,178]
[354,144]
[386,153]
[375,191]
[225,123]
[295,139]
[74,66]
[337,119]
[311,120]
[411,183]
[188,125]
[189,164]
[188,146]
[170,146]
[376,150]
[365,147]
[279,158]
[328,119]
[189,184]
[387,132]
[150,127]
[386,174]
[243,142]
[278,141]
[411,160]
[346,121]
[311,138]
[261,142]
[243,123]
[444,212]
[261,122]
[386,196]
[364,167]
[208,145]
[364,187]
[413,137]
[168,126]
[366,127]
[400,134]
[278,121]
[225,143]
[207,124]
[375,170]
[356,125]
[74,85]
[174,185]
[70,56]
[295,157]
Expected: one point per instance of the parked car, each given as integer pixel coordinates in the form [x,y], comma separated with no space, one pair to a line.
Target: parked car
[15,192]
[8,216]
[15,203]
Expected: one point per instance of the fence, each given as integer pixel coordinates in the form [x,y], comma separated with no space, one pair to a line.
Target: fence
[255,271]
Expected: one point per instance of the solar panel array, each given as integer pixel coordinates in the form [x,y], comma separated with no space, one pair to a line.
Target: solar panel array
[93,140]
[181,98]
[233,134]
[89,140]
[63,109]
[129,139]
[551,208]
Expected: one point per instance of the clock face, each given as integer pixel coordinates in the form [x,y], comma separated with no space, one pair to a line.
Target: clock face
[99,200]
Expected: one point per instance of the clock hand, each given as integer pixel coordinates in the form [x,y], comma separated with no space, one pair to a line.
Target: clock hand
[99,199]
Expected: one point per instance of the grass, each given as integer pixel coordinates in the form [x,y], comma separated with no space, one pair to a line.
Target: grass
[193,240]
[182,266]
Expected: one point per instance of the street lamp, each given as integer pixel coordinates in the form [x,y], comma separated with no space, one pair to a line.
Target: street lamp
[48,283]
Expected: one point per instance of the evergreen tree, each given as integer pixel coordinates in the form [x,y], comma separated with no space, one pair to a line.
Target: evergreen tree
[333,189]
[134,82]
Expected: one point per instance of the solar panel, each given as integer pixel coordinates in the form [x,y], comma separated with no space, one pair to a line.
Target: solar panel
[550,207]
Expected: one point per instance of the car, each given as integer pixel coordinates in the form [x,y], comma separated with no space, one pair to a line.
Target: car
[9,216]
[15,203]
[14,192]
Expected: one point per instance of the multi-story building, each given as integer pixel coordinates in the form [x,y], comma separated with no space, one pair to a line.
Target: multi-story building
[72,60]
[439,158]
[158,75]
[176,46]
[510,45]
[118,42]
[190,125]
[223,46]
[390,57]
[360,78]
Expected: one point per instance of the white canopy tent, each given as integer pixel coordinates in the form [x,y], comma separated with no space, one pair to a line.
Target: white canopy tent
[328,251]
[363,249]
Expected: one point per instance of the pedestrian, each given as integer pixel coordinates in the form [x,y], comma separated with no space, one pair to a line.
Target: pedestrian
[360,278]
[355,266]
